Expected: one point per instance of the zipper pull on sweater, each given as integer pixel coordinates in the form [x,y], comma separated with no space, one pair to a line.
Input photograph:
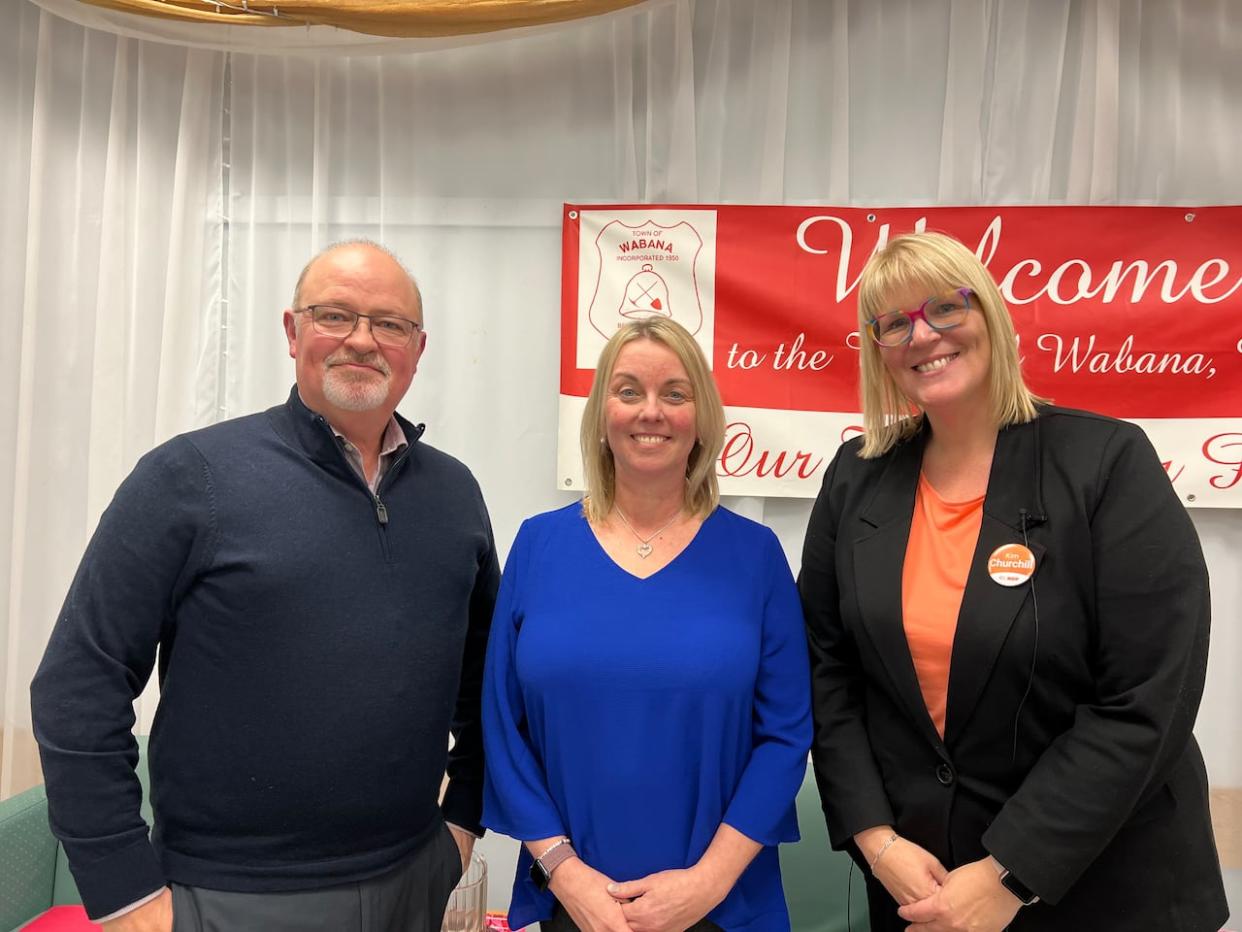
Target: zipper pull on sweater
[381,511]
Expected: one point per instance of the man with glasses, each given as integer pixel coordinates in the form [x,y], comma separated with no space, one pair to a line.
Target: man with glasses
[318,584]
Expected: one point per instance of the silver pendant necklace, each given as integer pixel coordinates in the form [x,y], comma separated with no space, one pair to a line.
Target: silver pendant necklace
[644,544]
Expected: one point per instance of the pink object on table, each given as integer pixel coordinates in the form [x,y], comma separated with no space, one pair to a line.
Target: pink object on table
[498,922]
[62,919]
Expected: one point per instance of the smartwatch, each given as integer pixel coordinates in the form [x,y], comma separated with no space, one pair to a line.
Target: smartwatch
[1015,886]
[541,868]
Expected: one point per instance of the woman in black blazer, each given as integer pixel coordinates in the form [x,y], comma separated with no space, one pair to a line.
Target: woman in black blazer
[1058,769]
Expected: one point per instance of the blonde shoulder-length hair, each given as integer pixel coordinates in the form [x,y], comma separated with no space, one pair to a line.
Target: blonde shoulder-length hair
[936,263]
[702,490]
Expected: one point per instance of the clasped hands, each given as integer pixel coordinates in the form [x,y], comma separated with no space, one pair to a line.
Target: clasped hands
[933,899]
[668,901]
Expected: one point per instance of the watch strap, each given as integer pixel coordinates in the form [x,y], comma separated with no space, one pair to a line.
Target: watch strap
[557,854]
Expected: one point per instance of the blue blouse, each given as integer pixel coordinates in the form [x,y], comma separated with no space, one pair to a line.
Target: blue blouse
[637,715]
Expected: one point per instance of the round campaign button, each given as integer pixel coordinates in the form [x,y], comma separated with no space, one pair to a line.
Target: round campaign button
[1011,564]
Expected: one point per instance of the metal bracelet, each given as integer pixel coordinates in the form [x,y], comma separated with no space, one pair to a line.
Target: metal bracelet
[884,847]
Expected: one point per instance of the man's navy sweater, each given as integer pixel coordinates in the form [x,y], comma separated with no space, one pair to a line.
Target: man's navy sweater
[314,643]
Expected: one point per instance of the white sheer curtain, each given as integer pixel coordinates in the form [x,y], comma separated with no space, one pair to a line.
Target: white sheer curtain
[159,201]
[111,185]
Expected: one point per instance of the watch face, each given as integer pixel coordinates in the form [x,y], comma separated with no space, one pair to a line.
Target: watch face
[537,875]
[1018,889]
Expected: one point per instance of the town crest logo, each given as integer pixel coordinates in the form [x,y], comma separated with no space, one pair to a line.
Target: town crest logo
[638,264]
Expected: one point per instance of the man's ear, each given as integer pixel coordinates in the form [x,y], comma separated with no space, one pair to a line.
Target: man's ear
[422,348]
[291,333]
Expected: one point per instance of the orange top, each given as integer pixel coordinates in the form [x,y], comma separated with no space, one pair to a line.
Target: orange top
[942,543]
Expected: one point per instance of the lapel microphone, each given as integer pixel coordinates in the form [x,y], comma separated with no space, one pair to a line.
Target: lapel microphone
[1026,520]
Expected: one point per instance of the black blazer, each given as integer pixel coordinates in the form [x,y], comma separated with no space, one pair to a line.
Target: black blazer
[1095,795]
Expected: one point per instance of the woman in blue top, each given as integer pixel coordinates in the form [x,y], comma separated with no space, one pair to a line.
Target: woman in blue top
[646,704]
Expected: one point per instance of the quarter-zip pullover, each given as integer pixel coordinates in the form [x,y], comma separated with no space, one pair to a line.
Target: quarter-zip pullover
[315,639]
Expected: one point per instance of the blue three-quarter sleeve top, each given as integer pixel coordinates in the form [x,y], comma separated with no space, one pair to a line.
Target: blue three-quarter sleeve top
[637,715]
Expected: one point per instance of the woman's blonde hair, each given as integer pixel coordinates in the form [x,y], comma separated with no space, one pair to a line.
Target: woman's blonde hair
[936,263]
[702,490]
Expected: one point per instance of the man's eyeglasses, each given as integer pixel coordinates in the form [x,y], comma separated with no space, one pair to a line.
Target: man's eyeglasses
[941,312]
[340,322]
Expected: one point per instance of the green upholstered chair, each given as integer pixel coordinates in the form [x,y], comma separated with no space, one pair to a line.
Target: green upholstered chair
[816,878]
[34,873]
[27,858]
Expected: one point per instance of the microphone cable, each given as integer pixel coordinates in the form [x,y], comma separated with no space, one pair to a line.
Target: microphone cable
[849,895]
[1030,678]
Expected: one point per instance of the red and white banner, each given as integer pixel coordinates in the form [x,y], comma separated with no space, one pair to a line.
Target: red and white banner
[1130,311]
